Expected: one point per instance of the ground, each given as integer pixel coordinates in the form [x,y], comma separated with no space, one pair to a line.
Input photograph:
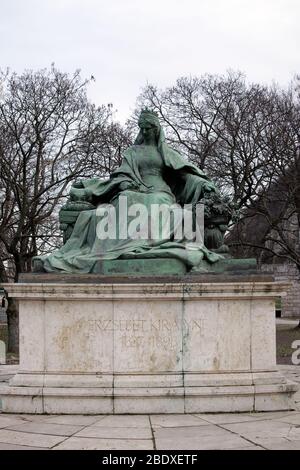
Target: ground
[256,431]
[245,431]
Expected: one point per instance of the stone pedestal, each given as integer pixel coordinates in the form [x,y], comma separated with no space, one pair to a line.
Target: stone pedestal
[148,347]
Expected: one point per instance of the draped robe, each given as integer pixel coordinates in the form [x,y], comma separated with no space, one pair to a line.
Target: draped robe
[83,249]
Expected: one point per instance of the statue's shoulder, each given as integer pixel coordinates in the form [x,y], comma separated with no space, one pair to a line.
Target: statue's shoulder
[173,154]
[132,148]
[132,151]
[176,153]
[180,163]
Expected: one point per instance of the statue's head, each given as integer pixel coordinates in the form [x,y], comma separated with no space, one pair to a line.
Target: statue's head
[149,125]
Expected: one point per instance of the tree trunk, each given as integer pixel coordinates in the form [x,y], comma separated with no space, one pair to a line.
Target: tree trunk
[13,327]
[3,274]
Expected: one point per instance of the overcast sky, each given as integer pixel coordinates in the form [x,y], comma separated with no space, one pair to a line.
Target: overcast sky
[127,43]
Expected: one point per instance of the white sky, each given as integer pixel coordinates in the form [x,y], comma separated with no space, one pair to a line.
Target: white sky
[127,43]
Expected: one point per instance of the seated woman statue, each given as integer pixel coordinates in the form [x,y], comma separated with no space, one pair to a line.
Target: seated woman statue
[151,174]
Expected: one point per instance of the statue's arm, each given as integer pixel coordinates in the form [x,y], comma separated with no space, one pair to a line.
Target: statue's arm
[80,194]
[196,188]
[208,186]
[80,199]
[85,194]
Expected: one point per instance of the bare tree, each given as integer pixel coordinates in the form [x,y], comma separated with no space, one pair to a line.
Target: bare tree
[218,123]
[246,137]
[50,135]
[270,226]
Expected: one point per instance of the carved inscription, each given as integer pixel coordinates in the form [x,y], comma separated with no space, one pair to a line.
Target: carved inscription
[145,326]
[157,333]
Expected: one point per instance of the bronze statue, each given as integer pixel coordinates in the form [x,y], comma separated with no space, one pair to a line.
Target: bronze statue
[151,174]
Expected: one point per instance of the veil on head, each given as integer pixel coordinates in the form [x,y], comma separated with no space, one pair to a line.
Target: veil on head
[150,117]
[170,156]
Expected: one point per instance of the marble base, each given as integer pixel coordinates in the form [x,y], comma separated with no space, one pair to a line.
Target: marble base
[147,348]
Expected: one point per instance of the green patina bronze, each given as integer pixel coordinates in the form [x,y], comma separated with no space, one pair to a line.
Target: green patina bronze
[151,173]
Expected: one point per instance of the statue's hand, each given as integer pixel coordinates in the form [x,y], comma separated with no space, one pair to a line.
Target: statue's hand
[78,194]
[127,185]
[209,187]
[77,184]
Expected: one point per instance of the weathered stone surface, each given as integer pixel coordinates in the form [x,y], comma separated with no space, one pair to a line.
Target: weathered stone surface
[47,278]
[278,444]
[147,348]
[116,433]
[17,447]
[46,428]
[74,420]
[204,438]
[171,421]
[91,443]
[28,439]
[8,420]
[226,418]
[124,421]
[265,430]
[245,431]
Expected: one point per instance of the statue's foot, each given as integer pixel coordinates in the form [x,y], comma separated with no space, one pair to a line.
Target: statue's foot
[37,266]
[198,270]
[224,249]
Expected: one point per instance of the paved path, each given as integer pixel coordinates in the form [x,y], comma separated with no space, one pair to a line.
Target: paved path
[245,431]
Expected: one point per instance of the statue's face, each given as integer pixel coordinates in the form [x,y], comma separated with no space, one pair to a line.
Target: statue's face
[148,131]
